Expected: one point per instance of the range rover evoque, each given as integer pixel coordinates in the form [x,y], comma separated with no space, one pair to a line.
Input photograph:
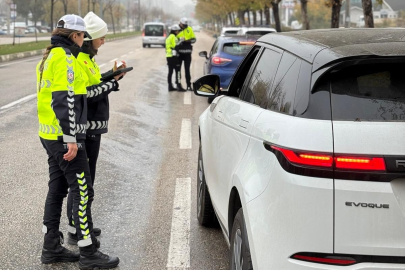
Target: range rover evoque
[302,161]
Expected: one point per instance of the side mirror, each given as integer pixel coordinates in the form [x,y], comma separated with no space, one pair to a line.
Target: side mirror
[207,86]
[203,54]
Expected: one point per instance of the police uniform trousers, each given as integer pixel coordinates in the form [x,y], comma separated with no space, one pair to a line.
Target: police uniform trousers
[92,146]
[64,175]
[174,65]
[186,58]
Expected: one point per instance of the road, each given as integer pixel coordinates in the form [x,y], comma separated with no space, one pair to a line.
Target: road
[145,189]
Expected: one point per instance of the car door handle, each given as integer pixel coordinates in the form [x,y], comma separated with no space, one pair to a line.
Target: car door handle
[243,123]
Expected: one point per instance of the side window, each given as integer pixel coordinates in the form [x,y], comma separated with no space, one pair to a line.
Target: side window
[258,89]
[214,48]
[282,96]
[242,72]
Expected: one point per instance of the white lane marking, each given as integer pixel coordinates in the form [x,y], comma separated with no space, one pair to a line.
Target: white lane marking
[31,59]
[21,100]
[102,65]
[124,55]
[185,134]
[115,59]
[131,52]
[179,249]
[187,98]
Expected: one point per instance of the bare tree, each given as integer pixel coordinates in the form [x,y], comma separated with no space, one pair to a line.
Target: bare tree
[65,6]
[52,6]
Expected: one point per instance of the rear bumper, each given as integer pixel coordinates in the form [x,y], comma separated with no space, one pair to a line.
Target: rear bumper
[154,40]
[300,265]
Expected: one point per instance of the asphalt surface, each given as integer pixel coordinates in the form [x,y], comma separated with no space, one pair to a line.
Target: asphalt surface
[139,162]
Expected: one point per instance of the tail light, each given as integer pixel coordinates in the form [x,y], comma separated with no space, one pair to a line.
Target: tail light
[143,32]
[219,61]
[164,33]
[338,162]
[333,260]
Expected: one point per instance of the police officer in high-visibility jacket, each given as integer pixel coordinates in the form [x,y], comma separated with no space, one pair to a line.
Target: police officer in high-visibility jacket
[97,105]
[172,57]
[62,114]
[187,38]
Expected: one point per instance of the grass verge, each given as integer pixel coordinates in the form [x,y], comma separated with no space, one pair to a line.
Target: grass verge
[32,46]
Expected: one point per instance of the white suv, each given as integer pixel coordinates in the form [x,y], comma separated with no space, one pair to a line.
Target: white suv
[302,162]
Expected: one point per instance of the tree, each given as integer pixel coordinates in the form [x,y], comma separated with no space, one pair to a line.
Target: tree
[275,7]
[304,11]
[65,6]
[336,5]
[318,14]
[368,12]
[52,5]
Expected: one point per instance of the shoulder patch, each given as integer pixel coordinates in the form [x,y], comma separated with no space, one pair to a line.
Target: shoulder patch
[70,75]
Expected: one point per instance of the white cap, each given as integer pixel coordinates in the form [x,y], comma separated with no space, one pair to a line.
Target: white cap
[96,27]
[73,22]
[176,27]
[183,20]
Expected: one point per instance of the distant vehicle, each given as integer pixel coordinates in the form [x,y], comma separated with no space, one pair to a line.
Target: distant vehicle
[196,28]
[2,32]
[302,162]
[31,30]
[154,34]
[225,57]
[229,31]
[256,31]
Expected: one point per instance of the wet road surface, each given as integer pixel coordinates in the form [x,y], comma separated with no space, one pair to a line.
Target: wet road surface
[140,162]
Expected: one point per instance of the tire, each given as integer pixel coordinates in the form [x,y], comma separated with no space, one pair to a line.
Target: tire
[240,258]
[143,45]
[205,211]
[210,100]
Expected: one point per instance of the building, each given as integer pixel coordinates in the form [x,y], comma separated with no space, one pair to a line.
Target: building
[388,10]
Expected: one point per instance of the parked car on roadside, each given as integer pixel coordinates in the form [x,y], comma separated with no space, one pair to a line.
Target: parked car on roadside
[196,28]
[154,34]
[225,57]
[302,162]
[229,31]
[256,31]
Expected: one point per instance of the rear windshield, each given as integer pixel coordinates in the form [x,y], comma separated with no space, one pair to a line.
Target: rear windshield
[236,48]
[258,33]
[154,30]
[232,32]
[370,92]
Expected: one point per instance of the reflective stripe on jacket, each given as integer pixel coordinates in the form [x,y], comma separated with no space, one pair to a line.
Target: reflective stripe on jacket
[62,94]
[98,111]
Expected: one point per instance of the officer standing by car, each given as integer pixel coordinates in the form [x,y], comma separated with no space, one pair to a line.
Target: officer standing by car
[172,56]
[187,37]
[62,115]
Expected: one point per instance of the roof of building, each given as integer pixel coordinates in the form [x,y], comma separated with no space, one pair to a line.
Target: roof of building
[323,46]
[396,4]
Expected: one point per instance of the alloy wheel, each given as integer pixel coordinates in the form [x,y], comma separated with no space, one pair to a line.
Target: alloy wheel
[237,250]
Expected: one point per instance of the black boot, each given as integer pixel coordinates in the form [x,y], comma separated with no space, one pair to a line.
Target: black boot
[53,251]
[180,88]
[91,258]
[189,88]
[171,88]
[72,239]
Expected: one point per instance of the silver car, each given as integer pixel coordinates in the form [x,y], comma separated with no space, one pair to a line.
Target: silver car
[154,33]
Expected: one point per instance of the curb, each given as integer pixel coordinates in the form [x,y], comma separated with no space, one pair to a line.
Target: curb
[21,55]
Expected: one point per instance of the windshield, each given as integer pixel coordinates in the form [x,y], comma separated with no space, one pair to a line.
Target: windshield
[154,30]
[258,32]
[369,92]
